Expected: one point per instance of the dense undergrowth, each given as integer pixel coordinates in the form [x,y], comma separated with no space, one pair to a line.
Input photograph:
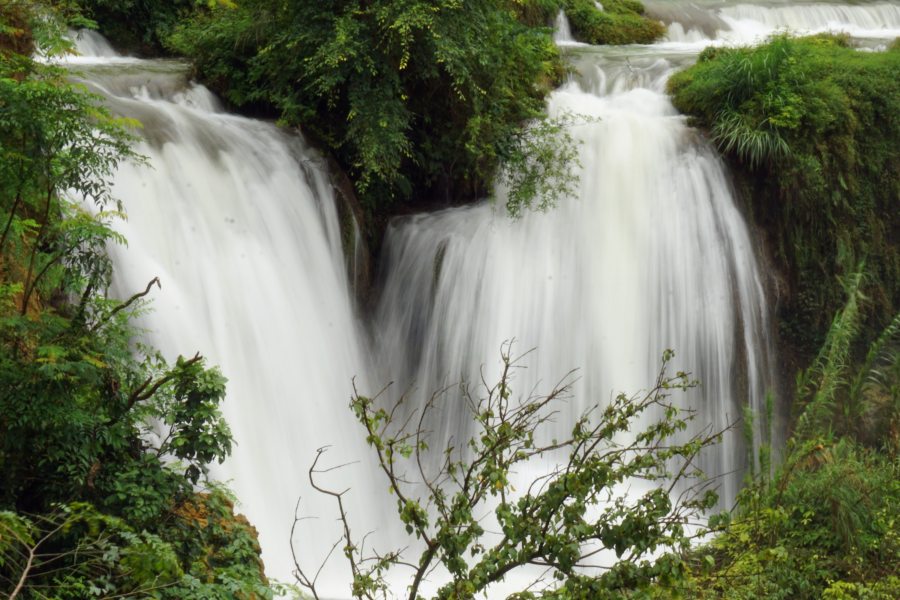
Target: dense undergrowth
[812,129]
[89,507]
[823,519]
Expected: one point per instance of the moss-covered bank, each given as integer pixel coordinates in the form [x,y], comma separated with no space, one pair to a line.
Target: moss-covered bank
[811,127]
[620,22]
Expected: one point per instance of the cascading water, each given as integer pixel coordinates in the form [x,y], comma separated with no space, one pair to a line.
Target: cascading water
[702,23]
[652,255]
[237,219]
[563,33]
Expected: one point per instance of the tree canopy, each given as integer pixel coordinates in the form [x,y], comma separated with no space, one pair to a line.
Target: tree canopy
[416,99]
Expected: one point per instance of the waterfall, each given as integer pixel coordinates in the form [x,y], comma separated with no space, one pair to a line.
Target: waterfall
[563,33]
[237,219]
[653,254]
[878,19]
[743,23]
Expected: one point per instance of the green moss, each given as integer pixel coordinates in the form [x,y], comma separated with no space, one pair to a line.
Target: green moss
[620,22]
[812,128]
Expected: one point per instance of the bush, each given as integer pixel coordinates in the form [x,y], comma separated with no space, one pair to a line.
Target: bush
[825,527]
[825,522]
[810,126]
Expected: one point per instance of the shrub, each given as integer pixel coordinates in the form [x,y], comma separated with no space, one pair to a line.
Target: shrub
[824,521]
[620,22]
[416,100]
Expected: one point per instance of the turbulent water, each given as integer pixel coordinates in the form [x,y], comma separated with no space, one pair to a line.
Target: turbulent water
[238,219]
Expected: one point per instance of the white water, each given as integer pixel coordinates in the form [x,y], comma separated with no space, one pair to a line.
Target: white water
[563,33]
[652,255]
[238,221]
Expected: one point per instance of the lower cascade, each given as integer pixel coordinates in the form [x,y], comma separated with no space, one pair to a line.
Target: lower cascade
[238,220]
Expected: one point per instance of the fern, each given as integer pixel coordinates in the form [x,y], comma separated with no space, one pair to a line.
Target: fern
[829,370]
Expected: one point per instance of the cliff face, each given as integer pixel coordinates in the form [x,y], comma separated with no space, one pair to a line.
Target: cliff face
[356,231]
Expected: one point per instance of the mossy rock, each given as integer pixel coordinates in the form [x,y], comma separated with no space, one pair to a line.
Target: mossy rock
[620,22]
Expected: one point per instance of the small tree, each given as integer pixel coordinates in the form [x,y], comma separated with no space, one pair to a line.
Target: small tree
[562,521]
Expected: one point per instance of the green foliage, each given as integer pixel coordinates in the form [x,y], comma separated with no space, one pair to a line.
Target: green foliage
[88,506]
[536,167]
[819,385]
[826,525]
[54,139]
[825,522]
[620,22]
[142,24]
[811,127]
[561,519]
[15,30]
[416,99]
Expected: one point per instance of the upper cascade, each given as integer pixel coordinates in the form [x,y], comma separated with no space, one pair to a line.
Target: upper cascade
[746,22]
[563,33]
